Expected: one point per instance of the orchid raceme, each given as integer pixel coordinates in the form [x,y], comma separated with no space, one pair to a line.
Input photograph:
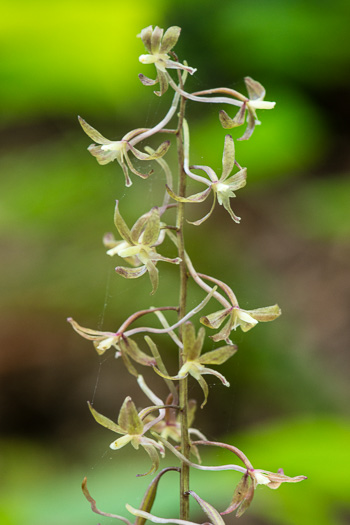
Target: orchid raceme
[158,46]
[223,187]
[108,150]
[132,428]
[138,246]
[194,362]
[170,423]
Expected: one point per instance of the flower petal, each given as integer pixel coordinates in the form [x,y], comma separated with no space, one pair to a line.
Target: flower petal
[130,347]
[197,197]
[200,221]
[121,225]
[229,123]
[170,38]
[146,37]
[215,319]
[158,153]
[202,383]
[105,421]
[254,88]
[154,457]
[94,507]
[210,511]
[93,133]
[228,158]
[265,314]
[129,419]
[153,275]
[147,81]
[156,38]
[218,356]
[152,228]
[251,121]
[163,82]
[131,273]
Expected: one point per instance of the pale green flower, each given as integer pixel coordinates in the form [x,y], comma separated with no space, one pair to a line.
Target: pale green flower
[109,150]
[158,46]
[223,187]
[138,246]
[194,362]
[132,429]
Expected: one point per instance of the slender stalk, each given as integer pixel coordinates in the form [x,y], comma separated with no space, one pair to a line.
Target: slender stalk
[183,384]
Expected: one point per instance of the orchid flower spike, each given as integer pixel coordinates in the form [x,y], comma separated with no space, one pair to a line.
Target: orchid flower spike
[194,362]
[158,46]
[132,428]
[107,150]
[223,187]
[138,246]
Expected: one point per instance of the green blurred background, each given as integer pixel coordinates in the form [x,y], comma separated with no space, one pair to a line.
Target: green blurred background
[289,396]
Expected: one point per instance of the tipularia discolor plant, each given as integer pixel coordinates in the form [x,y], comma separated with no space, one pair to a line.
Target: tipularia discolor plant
[166,425]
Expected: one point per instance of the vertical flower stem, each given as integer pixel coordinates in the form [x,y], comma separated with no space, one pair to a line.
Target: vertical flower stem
[183,384]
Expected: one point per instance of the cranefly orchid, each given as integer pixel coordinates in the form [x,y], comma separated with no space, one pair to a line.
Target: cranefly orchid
[171,421]
[159,45]
[138,246]
[223,188]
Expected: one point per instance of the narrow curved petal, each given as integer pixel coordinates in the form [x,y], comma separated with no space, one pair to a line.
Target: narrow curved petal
[147,81]
[121,225]
[251,121]
[200,221]
[105,421]
[163,82]
[93,133]
[130,347]
[225,201]
[210,511]
[211,371]
[131,273]
[202,383]
[153,455]
[224,334]
[134,170]
[228,122]
[158,153]
[197,197]
[228,158]
[94,507]
[153,275]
